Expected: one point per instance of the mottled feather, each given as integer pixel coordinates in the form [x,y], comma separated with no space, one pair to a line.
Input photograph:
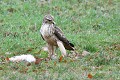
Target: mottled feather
[59,34]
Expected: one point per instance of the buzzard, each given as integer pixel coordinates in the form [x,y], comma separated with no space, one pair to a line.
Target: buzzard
[54,36]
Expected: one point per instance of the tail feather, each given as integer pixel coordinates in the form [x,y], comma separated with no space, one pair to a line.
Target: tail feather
[69,46]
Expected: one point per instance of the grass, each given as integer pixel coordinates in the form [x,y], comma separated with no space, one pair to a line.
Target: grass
[92,25]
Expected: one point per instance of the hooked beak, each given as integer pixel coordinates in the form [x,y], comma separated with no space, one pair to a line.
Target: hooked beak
[53,22]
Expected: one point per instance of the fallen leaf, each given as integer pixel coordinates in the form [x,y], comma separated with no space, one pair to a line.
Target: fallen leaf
[60,59]
[38,60]
[90,76]
[7,59]
[54,63]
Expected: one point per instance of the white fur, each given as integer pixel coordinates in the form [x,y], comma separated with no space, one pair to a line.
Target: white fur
[28,58]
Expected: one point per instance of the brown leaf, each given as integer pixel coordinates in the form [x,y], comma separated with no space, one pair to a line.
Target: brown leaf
[54,63]
[60,59]
[38,60]
[90,76]
[7,59]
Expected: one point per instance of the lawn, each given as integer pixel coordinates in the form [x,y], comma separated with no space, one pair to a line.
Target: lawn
[91,25]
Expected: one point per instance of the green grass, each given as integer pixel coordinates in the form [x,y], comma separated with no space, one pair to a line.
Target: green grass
[92,25]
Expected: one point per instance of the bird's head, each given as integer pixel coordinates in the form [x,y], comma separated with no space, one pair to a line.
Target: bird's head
[48,19]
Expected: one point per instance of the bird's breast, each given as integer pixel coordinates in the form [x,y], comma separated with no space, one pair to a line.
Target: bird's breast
[46,30]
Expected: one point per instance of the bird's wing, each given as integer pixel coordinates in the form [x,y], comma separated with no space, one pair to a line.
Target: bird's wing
[59,34]
[42,36]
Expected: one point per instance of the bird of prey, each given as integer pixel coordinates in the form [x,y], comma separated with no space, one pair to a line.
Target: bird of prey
[54,36]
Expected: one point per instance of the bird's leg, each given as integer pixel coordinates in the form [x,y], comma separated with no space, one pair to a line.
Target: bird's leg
[62,48]
[50,50]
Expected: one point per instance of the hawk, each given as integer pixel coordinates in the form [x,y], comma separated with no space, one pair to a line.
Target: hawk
[54,36]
